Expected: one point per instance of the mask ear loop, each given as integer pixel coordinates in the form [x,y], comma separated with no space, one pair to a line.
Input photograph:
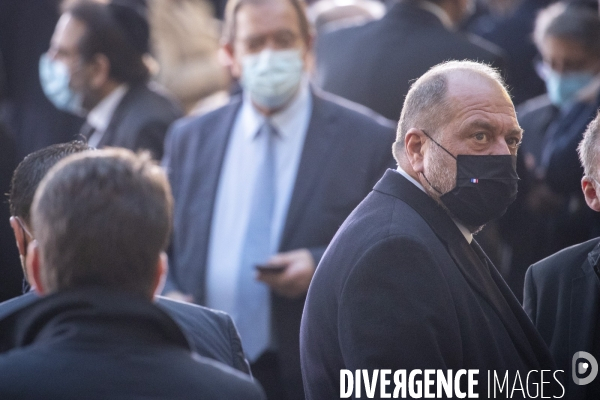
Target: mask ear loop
[441,147]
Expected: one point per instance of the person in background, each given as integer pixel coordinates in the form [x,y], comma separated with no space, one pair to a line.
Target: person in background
[562,292]
[185,43]
[95,334]
[211,333]
[26,27]
[95,67]
[374,64]
[262,184]
[551,213]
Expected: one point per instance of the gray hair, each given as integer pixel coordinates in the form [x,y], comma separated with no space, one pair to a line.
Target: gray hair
[426,105]
[589,147]
[569,21]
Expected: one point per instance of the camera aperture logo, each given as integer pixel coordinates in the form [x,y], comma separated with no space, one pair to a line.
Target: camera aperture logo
[581,368]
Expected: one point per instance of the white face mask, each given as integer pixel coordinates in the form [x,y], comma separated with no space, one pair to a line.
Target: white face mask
[272,77]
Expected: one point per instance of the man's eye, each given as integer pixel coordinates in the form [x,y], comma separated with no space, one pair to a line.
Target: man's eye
[480,136]
[513,142]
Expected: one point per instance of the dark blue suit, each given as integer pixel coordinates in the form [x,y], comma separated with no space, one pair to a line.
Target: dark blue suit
[95,343]
[401,288]
[562,298]
[344,153]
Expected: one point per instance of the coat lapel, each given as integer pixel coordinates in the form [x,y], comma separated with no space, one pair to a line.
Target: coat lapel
[473,267]
[320,137]
[585,295]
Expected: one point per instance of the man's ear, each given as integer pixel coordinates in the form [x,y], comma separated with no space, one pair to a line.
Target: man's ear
[19,236]
[34,268]
[162,268]
[414,142]
[590,193]
[227,58]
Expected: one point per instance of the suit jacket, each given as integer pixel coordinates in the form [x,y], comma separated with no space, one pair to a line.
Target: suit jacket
[373,64]
[399,287]
[562,298]
[211,333]
[344,153]
[98,344]
[140,121]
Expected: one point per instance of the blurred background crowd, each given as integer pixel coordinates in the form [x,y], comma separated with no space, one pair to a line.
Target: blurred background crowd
[366,51]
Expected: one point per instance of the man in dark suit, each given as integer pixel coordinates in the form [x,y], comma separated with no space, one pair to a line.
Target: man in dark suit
[374,64]
[95,334]
[211,333]
[95,67]
[403,285]
[562,292]
[553,214]
[26,27]
[262,184]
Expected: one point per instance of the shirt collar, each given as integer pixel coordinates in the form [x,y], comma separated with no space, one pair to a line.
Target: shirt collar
[283,120]
[101,115]
[463,229]
[438,12]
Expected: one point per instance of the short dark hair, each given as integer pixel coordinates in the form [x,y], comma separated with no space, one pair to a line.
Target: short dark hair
[30,172]
[119,32]
[569,21]
[102,218]
[233,6]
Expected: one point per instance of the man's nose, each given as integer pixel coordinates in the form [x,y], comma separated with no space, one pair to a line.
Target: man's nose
[500,147]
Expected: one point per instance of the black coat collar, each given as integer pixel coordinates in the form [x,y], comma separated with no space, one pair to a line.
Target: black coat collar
[94,314]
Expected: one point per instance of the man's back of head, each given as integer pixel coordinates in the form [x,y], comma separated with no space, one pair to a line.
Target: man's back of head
[102,219]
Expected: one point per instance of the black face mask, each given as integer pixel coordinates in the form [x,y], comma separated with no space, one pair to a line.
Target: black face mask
[485,187]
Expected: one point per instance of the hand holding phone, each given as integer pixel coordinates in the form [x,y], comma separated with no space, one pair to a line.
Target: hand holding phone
[270,268]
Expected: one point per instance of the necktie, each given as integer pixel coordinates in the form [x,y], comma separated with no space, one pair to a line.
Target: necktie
[86,131]
[253,303]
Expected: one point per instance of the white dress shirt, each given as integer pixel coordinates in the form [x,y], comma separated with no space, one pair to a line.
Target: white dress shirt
[236,183]
[100,116]
[463,229]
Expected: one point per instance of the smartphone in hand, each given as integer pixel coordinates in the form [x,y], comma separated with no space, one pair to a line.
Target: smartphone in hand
[270,268]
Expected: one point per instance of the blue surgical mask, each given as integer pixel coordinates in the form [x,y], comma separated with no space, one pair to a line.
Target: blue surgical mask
[272,77]
[55,78]
[563,88]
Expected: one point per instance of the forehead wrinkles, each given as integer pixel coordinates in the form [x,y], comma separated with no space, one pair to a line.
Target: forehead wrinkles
[485,102]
